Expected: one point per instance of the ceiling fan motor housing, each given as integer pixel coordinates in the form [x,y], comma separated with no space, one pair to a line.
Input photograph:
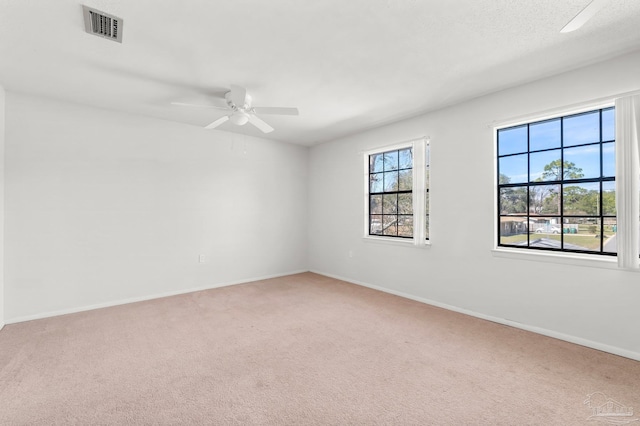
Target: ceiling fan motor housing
[244,107]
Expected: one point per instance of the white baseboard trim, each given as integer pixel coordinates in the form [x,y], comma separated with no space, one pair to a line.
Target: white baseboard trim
[143,298]
[549,333]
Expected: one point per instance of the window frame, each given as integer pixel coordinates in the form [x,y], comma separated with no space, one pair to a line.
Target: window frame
[550,252]
[419,191]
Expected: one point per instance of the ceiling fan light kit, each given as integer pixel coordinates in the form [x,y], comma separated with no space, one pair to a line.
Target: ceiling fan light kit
[239,118]
[239,103]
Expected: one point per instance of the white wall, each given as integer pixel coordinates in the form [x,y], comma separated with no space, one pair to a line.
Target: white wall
[589,305]
[103,207]
[2,101]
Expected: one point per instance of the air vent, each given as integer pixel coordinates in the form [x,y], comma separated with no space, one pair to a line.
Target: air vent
[102,24]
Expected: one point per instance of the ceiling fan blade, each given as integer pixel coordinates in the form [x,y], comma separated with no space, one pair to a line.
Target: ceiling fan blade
[260,124]
[238,95]
[276,110]
[197,105]
[218,122]
[585,14]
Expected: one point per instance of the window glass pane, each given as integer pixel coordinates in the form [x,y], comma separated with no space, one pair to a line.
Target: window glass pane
[581,128]
[546,233]
[390,181]
[405,203]
[389,203]
[513,230]
[608,124]
[609,198]
[582,233]
[513,200]
[512,140]
[391,213]
[582,162]
[375,224]
[427,168]
[375,204]
[426,225]
[376,163]
[544,227]
[545,166]
[609,159]
[581,199]
[391,192]
[405,180]
[610,233]
[541,206]
[375,182]
[406,159]
[513,169]
[544,200]
[544,135]
[389,225]
[405,226]
[391,160]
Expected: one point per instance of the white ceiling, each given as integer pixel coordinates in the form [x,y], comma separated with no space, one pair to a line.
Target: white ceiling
[348,65]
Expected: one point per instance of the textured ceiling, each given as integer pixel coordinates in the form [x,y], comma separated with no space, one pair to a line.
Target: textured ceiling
[348,65]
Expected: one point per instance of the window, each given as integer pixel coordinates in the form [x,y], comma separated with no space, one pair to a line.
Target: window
[397,197]
[391,193]
[556,184]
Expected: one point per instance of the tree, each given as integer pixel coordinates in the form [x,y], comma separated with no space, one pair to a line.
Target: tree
[512,200]
[608,202]
[550,201]
[545,199]
[553,171]
[578,200]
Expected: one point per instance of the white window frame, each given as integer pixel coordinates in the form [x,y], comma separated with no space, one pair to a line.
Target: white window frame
[420,147]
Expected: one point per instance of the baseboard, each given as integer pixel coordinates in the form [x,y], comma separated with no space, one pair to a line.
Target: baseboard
[143,298]
[549,333]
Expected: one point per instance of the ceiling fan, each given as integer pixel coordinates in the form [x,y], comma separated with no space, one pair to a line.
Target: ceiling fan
[584,15]
[241,111]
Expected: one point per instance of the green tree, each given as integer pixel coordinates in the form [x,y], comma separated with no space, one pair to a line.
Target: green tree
[578,201]
[609,202]
[545,199]
[589,203]
[554,171]
[550,202]
[512,200]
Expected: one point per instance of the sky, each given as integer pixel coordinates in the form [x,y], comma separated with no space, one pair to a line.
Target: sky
[545,144]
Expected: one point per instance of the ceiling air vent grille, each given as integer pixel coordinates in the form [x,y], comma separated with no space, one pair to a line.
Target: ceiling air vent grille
[102,24]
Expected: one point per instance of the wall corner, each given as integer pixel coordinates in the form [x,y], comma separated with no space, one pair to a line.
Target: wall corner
[2,171]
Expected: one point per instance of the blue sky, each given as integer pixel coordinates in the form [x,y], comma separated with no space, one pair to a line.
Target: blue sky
[545,135]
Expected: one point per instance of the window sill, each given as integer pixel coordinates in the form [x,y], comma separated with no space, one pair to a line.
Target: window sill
[404,242]
[594,261]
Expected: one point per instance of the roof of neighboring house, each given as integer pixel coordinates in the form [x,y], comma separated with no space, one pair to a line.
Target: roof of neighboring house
[549,243]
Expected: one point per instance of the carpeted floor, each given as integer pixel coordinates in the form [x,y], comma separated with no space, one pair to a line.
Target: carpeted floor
[299,350]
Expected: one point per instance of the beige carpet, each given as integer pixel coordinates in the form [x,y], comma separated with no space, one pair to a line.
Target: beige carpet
[299,350]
